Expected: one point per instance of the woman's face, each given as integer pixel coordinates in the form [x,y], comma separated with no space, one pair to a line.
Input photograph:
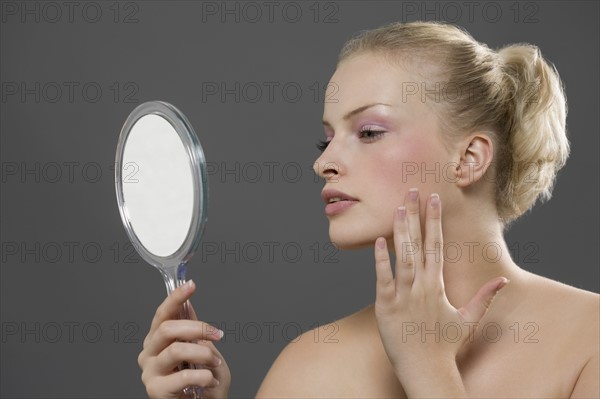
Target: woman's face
[403,149]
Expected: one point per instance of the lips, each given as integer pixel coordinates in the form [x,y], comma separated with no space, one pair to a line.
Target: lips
[330,194]
[337,201]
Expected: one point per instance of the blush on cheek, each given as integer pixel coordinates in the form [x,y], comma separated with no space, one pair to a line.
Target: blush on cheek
[386,194]
[410,163]
[400,170]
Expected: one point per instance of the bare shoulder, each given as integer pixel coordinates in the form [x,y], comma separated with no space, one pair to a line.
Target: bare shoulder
[573,327]
[583,303]
[325,361]
[309,366]
[579,312]
[575,309]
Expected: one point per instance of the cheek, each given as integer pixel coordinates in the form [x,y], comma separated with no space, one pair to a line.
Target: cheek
[402,166]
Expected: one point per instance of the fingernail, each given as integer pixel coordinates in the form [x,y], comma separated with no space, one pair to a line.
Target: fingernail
[413,194]
[381,242]
[214,383]
[435,200]
[503,283]
[219,333]
[189,285]
[402,212]
[217,360]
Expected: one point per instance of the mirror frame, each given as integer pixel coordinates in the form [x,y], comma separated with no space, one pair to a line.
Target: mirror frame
[197,163]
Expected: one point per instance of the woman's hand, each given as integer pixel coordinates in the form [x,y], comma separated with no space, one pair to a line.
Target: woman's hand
[417,323]
[163,352]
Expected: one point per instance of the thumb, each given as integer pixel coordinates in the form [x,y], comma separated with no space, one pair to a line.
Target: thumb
[478,306]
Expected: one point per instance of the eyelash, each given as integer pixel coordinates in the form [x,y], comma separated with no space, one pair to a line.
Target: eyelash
[322,145]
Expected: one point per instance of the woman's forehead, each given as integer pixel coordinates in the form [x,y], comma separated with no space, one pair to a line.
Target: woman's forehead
[363,80]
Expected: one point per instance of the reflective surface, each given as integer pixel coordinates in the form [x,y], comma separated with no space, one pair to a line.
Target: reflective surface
[157,185]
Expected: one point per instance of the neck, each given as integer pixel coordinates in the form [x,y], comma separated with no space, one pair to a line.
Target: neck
[474,253]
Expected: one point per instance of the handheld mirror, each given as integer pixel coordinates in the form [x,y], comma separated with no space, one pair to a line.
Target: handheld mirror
[162,192]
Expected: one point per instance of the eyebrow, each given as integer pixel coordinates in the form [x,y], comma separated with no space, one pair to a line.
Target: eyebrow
[356,111]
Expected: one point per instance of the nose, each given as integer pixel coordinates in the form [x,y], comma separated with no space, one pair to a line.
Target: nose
[326,166]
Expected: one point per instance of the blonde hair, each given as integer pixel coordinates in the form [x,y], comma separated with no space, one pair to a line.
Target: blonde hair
[513,92]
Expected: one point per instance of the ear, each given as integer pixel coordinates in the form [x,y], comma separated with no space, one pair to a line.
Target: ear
[476,155]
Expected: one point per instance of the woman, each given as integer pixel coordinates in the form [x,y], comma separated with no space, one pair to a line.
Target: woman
[423,121]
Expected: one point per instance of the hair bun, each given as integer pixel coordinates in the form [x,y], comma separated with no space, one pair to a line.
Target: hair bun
[536,113]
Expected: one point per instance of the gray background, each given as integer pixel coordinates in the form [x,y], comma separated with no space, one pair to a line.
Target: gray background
[73,323]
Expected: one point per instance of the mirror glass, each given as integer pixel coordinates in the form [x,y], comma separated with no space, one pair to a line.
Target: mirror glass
[162,187]
[158,189]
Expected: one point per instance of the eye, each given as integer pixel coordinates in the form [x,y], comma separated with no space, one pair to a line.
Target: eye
[367,133]
[322,145]
[370,134]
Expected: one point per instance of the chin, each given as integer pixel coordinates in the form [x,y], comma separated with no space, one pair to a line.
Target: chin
[354,235]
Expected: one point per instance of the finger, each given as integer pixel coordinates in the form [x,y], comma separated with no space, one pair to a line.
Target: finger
[434,259]
[221,372]
[474,311]
[413,213]
[180,330]
[193,315]
[385,289]
[179,352]
[171,385]
[173,304]
[405,257]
